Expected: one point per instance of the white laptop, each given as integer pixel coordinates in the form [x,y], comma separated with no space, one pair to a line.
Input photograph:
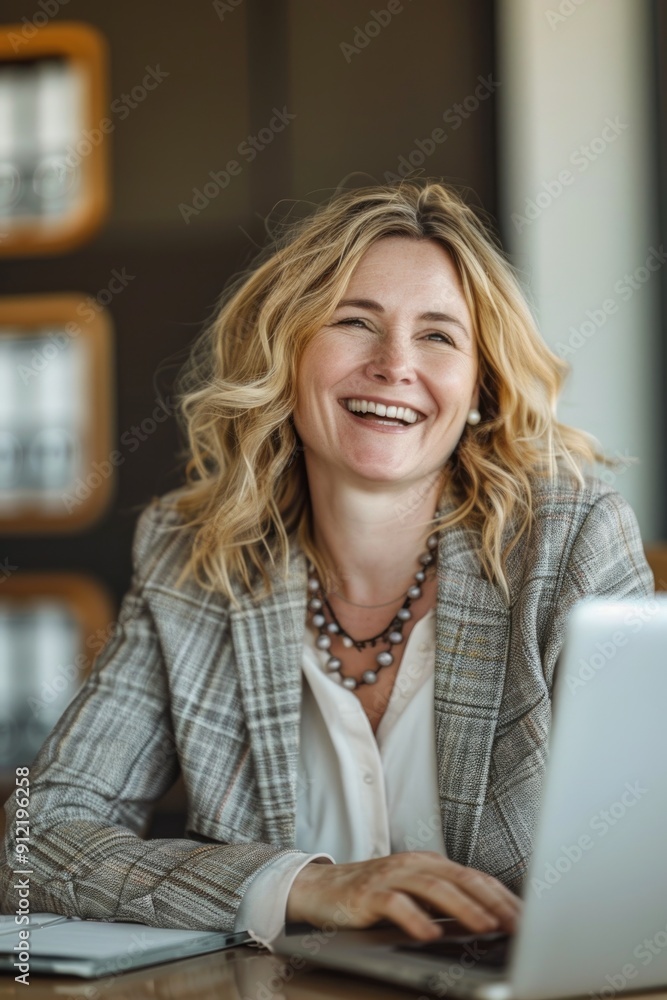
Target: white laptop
[71,946]
[594,921]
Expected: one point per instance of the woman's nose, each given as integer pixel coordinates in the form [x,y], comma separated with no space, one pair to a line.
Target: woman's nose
[391,361]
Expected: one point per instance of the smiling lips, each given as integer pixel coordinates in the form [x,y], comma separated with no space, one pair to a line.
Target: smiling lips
[401,414]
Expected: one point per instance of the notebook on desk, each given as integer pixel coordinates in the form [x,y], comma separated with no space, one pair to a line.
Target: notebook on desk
[89,948]
[594,921]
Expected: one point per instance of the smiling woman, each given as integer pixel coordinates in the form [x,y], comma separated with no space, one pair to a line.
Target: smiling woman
[376,281]
[347,620]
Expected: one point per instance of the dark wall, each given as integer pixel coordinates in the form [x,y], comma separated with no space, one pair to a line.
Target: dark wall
[229,66]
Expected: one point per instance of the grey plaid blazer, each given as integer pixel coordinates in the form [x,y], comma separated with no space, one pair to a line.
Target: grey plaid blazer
[188,683]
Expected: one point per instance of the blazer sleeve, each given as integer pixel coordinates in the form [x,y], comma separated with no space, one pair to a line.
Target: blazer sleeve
[93,783]
[606,560]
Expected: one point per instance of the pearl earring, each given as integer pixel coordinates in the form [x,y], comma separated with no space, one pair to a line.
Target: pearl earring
[474,416]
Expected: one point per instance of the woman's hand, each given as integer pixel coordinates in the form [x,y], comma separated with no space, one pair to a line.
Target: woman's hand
[393,887]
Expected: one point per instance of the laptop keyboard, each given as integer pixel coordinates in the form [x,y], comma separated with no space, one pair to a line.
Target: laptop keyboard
[487,950]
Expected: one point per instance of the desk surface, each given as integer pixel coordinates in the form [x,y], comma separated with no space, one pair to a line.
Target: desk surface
[243,973]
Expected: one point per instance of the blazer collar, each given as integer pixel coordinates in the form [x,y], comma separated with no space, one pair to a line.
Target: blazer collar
[472,634]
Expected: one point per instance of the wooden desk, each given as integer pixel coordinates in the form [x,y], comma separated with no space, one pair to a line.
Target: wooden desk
[243,973]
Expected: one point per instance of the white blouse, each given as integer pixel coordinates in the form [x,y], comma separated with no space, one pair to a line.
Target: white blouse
[360,794]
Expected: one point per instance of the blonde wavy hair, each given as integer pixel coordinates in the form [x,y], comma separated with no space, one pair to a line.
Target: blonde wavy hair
[246,491]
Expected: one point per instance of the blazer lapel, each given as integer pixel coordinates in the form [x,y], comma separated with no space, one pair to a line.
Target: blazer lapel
[472,636]
[268,637]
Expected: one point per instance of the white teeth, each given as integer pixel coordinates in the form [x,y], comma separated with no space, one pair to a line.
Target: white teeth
[381,410]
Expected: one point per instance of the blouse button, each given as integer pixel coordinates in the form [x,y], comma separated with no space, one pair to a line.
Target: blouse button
[422,647]
[368,778]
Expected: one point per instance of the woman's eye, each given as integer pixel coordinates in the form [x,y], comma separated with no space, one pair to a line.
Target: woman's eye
[353,320]
[349,322]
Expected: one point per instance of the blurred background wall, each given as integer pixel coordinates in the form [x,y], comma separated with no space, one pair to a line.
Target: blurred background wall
[303,96]
[579,204]
[228,69]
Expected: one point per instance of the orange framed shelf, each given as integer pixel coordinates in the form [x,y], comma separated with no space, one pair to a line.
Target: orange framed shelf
[56,413]
[54,143]
[52,627]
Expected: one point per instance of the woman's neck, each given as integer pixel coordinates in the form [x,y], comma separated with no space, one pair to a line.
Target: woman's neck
[371,542]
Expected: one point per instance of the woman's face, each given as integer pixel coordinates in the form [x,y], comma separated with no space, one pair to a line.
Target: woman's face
[401,336]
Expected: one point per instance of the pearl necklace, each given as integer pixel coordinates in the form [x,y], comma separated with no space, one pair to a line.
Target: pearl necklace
[392,634]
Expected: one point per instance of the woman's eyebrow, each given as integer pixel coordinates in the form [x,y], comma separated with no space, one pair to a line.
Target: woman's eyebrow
[376,307]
